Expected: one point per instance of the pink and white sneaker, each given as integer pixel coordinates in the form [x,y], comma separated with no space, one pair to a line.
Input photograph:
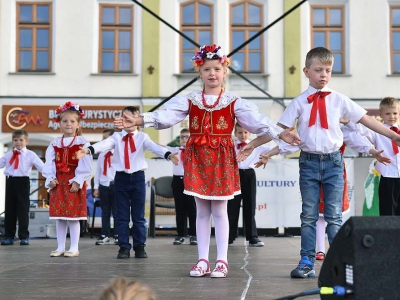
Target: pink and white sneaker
[198,271]
[221,269]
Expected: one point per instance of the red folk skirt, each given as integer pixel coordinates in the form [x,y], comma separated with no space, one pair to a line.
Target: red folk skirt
[211,173]
[64,204]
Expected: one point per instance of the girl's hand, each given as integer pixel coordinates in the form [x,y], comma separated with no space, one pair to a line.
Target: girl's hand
[174,158]
[382,159]
[96,193]
[244,153]
[53,183]
[81,152]
[290,137]
[263,161]
[74,187]
[126,121]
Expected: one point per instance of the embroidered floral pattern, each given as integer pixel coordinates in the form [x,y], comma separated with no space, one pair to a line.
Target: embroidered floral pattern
[195,123]
[221,123]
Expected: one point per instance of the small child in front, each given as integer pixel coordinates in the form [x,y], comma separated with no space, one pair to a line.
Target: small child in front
[129,188]
[66,178]
[18,164]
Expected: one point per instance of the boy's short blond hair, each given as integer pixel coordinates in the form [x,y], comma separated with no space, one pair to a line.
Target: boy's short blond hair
[323,54]
[388,102]
[19,132]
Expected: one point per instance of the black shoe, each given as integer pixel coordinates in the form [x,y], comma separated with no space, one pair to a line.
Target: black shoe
[179,240]
[123,253]
[24,242]
[230,242]
[193,240]
[139,251]
[7,241]
[255,242]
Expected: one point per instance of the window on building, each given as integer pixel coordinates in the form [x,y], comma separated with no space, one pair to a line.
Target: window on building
[33,37]
[196,23]
[246,21]
[116,39]
[327,30]
[395,38]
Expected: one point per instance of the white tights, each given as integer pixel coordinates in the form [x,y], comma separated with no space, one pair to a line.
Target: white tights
[218,209]
[74,233]
[321,225]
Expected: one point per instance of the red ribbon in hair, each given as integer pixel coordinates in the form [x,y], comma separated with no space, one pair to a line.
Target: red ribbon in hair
[107,162]
[394,145]
[15,159]
[128,139]
[318,101]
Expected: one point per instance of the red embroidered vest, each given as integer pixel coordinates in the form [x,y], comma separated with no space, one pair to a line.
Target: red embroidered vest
[211,128]
[66,160]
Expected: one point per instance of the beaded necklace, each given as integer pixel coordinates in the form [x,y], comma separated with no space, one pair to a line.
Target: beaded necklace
[205,103]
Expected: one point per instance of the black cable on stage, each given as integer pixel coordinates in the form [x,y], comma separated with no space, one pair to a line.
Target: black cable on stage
[304,293]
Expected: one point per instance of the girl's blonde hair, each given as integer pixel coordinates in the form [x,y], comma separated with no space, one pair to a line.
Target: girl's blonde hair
[124,289]
[78,118]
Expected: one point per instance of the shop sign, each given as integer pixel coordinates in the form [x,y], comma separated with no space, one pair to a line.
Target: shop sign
[41,118]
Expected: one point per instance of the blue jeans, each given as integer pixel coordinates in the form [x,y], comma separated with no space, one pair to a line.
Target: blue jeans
[107,204]
[130,194]
[317,170]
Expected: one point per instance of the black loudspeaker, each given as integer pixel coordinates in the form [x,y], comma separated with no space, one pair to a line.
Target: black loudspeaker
[365,257]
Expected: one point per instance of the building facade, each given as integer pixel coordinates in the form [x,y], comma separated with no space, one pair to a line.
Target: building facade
[106,55]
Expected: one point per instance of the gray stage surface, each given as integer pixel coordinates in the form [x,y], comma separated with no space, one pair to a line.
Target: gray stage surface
[28,272]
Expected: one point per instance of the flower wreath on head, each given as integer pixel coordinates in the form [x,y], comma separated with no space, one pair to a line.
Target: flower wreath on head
[210,52]
[68,106]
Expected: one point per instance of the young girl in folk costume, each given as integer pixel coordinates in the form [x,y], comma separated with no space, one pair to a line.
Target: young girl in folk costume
[211,171]
[65,178]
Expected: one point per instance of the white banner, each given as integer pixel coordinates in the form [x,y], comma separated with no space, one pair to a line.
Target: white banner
[278,193]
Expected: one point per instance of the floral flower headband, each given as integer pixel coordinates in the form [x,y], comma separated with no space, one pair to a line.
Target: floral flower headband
[210,52]
[68,106]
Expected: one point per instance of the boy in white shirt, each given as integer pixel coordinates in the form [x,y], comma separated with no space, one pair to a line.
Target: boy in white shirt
[318,111]
[129,188]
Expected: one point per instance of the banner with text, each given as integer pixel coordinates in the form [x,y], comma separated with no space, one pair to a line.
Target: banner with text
[35,118]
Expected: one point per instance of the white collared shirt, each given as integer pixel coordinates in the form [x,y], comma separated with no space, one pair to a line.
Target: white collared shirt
[316,139]
[254,157]
[177,170]
[246,113]
[27,159]
[137,158]
[99,177]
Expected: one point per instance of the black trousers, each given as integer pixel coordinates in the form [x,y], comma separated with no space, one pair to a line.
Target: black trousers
[185,207]
[389,195]
[17,207]
[248,185]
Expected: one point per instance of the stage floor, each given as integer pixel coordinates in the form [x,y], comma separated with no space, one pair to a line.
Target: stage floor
[28,272]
